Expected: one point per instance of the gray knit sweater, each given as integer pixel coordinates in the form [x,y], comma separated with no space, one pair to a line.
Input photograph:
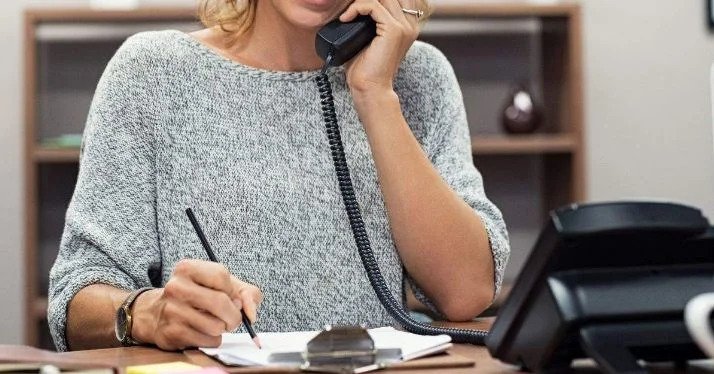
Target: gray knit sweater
[174,125]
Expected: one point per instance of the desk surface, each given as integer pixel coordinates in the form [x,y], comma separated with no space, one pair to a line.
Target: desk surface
[122,357]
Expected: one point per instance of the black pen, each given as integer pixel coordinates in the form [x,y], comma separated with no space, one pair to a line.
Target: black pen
[212,257]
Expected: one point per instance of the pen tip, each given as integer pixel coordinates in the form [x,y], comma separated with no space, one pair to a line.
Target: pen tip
[257,342]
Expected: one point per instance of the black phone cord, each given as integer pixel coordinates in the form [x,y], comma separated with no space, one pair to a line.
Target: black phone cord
[360,234]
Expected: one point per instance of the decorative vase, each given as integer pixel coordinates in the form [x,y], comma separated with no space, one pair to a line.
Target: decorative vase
[520,114]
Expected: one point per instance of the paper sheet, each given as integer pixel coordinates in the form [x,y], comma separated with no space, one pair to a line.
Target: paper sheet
[239,349]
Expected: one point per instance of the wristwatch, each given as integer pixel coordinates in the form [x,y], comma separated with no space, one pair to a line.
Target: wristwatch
[124,320]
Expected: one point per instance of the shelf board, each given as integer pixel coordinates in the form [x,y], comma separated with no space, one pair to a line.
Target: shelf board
[58,31]
[480,145]
[481,26]
[103,31]
[88,14]
[448,8]
[56,155]
[504,9]
[523,144]
[39,308]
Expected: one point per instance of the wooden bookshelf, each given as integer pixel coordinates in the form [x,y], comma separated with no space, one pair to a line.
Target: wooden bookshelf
[553,157]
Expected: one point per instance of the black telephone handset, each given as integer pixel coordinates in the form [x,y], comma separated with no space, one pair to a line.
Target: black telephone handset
[337,43]
[340,41]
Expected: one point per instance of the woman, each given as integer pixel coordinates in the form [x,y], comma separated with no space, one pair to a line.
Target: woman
[227,121]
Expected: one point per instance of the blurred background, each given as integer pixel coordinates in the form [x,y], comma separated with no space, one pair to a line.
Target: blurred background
[568,101]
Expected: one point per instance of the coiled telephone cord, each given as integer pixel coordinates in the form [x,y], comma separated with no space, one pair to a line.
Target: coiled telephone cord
[360,234]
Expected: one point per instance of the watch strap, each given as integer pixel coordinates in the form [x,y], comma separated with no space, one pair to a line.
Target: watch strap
[127,306]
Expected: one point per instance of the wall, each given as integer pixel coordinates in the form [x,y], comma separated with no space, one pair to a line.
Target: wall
[11,176]
[647,106]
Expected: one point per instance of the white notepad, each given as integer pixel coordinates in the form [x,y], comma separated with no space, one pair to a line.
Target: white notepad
[239,349]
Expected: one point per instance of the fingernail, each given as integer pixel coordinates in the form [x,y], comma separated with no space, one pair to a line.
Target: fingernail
[249,316]
[238,304]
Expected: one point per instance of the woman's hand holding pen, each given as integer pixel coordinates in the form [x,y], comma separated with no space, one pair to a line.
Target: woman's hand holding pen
[200,301]
[375,67]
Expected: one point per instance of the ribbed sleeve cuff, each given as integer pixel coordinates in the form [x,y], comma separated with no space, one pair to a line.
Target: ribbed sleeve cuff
[81,277]
[500,250]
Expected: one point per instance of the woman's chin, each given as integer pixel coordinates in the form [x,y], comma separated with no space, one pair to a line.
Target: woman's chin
[312,23]
[315,13]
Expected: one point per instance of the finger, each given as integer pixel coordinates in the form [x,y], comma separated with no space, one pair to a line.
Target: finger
[196,339]
[249,296]
[250,308]
[409,23]
[204,323]
[394,7]
[216,303]
[179,336]
[205,273]
[413,20]
[367,7]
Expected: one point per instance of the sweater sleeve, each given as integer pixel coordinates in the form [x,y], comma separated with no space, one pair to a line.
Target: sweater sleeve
[110,234]
[448,146]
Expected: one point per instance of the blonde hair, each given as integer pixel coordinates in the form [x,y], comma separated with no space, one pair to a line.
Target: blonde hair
[237,16]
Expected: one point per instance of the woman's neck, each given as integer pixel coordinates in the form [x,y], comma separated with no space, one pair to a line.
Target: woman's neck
[274,44]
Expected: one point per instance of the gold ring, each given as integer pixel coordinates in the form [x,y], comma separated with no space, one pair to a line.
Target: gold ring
[415,12]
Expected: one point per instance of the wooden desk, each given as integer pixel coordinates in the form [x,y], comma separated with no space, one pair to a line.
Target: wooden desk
[123,357]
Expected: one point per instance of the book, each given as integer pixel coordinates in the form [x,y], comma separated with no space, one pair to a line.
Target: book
[239,349]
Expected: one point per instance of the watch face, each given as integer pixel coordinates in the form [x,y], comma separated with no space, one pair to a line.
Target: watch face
[121,324]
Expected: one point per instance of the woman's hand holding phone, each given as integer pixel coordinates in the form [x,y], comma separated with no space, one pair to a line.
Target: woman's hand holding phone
[374,68]
[200,301]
